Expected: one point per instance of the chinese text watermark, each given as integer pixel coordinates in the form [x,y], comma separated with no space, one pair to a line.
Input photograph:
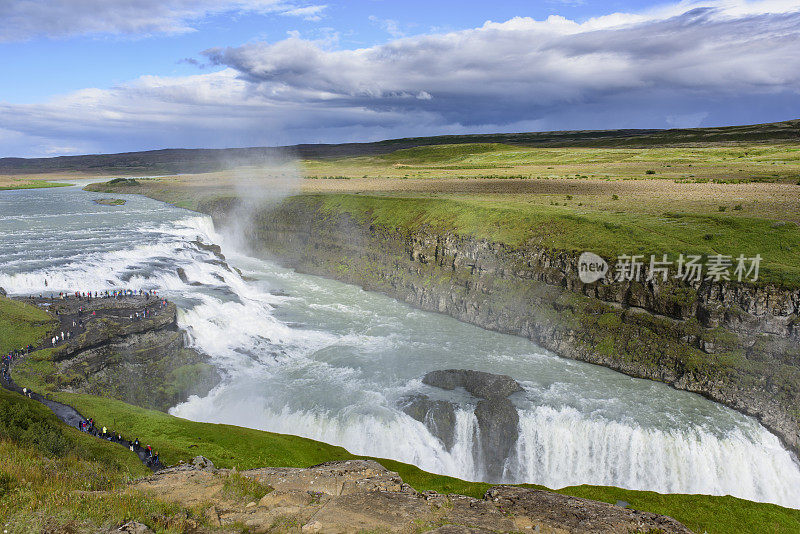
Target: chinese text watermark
[689,268]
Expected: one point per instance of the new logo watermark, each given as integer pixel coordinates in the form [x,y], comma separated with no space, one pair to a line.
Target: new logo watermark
[689,268]
[591,267]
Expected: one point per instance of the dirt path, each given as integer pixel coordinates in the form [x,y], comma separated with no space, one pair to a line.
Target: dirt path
[73,418]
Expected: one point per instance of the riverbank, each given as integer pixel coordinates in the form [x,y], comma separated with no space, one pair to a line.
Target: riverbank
[13,182]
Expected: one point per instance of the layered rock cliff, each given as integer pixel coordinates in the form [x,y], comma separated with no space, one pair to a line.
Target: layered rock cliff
[735,343]
[113,353]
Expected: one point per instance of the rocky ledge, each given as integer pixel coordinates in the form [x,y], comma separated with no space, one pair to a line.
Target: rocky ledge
[362,496]
[478,383]
[116,350]
[110,201]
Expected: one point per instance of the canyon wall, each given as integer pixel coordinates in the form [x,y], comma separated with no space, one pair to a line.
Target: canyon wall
[735,343]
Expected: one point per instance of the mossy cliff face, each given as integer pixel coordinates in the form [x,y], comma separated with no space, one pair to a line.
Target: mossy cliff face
[143,362]
[734,343]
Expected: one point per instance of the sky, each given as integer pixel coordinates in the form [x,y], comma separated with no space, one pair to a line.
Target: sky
[105,76]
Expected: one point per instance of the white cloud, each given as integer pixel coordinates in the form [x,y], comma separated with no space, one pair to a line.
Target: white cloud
[21,20]
[390,26]
[312,13]
[735,62]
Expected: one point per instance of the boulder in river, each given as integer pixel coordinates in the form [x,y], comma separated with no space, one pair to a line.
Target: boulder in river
[438,416]
[480,384]
[110,201]
[185,279]
[216,250]
[498,421]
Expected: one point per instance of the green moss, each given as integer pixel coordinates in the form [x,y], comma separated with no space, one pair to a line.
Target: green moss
[610,321]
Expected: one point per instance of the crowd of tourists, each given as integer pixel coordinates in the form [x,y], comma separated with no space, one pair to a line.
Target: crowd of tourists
[9,357]
[61,337]
[107,294]
[148,455]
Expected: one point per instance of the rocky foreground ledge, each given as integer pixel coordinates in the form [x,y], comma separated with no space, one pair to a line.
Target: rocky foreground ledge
[361,496]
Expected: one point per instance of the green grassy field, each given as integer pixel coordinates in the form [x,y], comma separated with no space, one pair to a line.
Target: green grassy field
[735,200]
[609,233]
[22,183]
[738,163]
[21,324]
[54,477]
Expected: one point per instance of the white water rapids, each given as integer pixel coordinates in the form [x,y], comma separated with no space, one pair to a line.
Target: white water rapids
[308,356]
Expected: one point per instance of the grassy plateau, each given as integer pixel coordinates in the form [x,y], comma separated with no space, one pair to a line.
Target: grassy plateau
[11,182]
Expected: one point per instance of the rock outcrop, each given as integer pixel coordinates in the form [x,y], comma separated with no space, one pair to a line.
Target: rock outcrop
[439,417]
[361,495]
[498,420]
[110,201]
[215,249]
[560,513]
[478,383]
[142,361]
[181,272]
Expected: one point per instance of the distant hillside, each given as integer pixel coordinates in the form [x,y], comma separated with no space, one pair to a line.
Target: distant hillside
[202,160]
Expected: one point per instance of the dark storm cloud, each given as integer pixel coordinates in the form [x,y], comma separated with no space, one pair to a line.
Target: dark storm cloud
[524,67]
[734,63]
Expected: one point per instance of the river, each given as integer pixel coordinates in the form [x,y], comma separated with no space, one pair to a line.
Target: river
[314,357]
